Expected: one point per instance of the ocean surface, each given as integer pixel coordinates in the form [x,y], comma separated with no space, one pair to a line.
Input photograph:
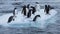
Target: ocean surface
[52,28]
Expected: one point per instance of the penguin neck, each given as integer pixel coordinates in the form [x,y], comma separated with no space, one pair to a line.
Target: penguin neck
[16,12]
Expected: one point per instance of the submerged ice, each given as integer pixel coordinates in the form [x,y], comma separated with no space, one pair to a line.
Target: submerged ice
[23,21]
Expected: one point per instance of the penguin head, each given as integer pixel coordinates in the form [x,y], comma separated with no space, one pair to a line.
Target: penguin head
[25,6]
[32,6]
[28,4]
[45,5]
[49,6]
[37,2]
[15,8]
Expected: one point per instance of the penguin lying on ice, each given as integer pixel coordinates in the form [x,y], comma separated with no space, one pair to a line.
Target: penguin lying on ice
[34,19]
[10,19]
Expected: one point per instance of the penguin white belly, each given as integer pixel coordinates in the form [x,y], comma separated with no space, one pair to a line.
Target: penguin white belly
[27,10]
[16,12]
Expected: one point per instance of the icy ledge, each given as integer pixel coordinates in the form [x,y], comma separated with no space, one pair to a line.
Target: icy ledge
[22,21]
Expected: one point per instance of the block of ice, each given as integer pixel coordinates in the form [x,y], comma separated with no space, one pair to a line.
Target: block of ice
[23,21]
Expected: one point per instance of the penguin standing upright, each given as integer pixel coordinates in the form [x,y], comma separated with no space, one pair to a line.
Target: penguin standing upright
[29,13]
[33,9]
[24,10]
[34,19]
[14,11]
[45,8]
[48,9]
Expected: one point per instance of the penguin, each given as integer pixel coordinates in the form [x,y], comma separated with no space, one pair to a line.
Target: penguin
[29,13]
[14,11]
[10,19]
[48,9]
[33,10]
[28,6]
[24,10]
[45,8]
[34,19]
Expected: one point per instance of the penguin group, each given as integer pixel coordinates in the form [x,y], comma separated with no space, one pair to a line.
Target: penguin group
[31,10]
[13,16]
[47,9]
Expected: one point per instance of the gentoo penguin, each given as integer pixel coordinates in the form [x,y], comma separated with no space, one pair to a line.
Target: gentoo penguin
[33,10]
[10,19]
[29,13]
[24,10]
[34,19]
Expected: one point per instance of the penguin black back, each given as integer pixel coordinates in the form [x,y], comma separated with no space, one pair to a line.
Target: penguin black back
[28,6]
[45,8]
[34,19]
[29,13]
[10,19]
[24,10]
[48,9]
[14,11]
[33,9]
